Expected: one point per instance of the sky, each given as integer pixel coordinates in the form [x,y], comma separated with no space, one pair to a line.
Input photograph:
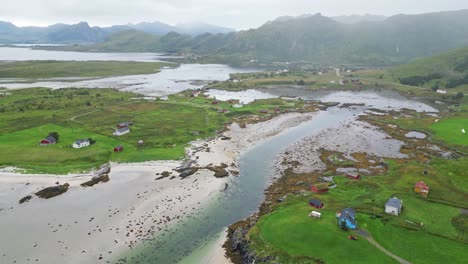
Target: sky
[237,14]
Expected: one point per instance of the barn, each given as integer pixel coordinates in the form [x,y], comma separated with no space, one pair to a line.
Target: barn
[119,148]
[421,188]
[49,140]
[353,176]
[320,187]
[316,203]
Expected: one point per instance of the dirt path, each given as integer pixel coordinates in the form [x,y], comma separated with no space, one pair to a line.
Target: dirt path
[369,238]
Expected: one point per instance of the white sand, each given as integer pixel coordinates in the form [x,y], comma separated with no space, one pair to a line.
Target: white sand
[105,220]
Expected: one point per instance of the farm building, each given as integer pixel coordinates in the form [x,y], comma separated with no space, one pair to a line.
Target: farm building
[347,217]
[320,187]
[316,203]
[393,206]
[119,148]
[421,188]
[49,140]
[121,131]
[81,143]
[353,176]
[214,102]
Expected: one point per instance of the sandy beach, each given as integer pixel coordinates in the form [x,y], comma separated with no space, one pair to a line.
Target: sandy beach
[97,224]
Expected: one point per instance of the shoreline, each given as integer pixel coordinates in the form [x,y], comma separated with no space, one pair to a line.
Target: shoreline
[100,223]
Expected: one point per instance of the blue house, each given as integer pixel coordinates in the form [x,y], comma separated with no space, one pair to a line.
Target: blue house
[348,217]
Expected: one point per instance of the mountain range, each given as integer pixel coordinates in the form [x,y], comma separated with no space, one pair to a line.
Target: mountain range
[83,33]
[357,40]
[312,38]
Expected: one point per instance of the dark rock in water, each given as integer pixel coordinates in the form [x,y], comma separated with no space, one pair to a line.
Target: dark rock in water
[95,180]
[50,192]
[225,138]
[25,199]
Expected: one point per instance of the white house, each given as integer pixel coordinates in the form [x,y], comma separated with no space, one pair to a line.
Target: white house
[81,143]
[121,131]
[393,206]
[441,91]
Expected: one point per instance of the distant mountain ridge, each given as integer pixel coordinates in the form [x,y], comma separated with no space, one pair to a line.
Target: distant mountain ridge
[83,33]
[316,38]
[352,19]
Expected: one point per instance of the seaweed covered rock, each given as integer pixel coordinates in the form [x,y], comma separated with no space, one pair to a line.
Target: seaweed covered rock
[53,191]
[25,199]
[95,180]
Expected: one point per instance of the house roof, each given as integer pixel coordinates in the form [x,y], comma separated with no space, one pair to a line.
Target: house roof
[122,129]
[51,139]
[124,124]
[79,141]
[315,202]
[421,185]
[394,202]
[348,214]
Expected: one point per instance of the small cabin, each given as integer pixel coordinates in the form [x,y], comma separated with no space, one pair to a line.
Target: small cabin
[49,140]
[316,203]
[347,218]
[124,124]
[421,188]
[121,131]
[119,148]
[353,176]
[393,206]
[320,187]
[81,143]
[315,214]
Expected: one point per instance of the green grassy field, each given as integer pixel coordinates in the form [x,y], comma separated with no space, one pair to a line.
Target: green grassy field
[166,127]
[450,130]
[60,69]
[290,232]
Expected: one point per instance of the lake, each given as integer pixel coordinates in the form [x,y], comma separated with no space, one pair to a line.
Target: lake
[168,81]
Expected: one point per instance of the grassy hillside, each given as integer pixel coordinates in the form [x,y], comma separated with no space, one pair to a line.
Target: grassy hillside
[57,69]
[166,127]
[447,70]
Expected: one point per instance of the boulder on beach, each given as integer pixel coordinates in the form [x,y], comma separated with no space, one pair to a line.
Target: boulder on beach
[53,191]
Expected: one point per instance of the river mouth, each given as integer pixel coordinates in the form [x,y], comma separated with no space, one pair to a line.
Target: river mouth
[257,170]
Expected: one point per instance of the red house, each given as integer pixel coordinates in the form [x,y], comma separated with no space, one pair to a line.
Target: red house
[214,102]
[421,188]
[119,148]
[353,176]
[49,140]
[316,203]
[320,187]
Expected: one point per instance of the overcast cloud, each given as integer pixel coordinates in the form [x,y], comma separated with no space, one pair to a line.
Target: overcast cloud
[239,14]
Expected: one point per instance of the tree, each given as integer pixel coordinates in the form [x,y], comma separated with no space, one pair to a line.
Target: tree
[435,87]
[459,95]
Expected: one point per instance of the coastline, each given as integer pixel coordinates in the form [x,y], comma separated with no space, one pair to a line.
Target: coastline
[99,223]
